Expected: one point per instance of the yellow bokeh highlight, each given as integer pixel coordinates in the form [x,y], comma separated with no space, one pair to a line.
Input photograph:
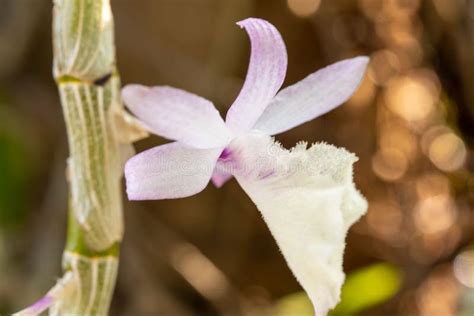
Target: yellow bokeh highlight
[410,98]
[435,214]
[390,164]
[304,8]
[448,152]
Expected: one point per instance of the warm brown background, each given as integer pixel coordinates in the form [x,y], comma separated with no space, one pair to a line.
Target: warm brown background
[411,124]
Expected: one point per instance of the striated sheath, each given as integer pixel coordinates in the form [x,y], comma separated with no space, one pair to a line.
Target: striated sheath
[92,282]
[89,85]
[83,32]
[95,166]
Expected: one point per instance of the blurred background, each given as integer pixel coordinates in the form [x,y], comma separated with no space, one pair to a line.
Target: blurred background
[411,123]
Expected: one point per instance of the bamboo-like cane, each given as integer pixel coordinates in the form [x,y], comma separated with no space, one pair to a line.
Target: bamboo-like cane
[97,129]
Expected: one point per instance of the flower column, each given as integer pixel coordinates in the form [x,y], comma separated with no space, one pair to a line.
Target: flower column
[84,69]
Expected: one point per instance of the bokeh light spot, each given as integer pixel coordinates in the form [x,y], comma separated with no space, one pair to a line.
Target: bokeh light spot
[435,214]
[398,136]
[464,268]
[390,164]
[410,98]
[304,8]
[448,152]
[385,219]
[364,95]
[439,294]
[432,184]
[383,66]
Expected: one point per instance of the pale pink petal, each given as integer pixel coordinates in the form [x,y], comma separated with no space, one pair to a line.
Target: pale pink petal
[169,171]
[38,307]
[178,115]
[60,290]
[266,73]
[313,96]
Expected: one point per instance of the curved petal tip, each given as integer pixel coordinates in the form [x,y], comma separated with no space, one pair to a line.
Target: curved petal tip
[265,75]
[133,92]
[244,22]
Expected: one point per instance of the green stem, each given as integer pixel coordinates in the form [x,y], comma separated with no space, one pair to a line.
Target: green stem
[88,83]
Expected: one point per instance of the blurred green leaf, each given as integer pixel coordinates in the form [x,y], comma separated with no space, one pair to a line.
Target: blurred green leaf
[15,173]
[296,304]
[467,302]
[363,289]
[368,287]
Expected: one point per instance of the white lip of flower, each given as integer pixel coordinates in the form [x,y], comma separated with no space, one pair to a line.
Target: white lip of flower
[306,196]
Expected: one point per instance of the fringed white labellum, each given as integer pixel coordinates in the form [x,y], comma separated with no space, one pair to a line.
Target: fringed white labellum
[309,201]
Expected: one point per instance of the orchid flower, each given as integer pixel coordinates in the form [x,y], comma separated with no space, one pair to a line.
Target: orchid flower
[306,196]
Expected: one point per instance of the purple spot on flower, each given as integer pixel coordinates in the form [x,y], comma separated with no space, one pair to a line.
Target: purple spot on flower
[267,174]
[225,154]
